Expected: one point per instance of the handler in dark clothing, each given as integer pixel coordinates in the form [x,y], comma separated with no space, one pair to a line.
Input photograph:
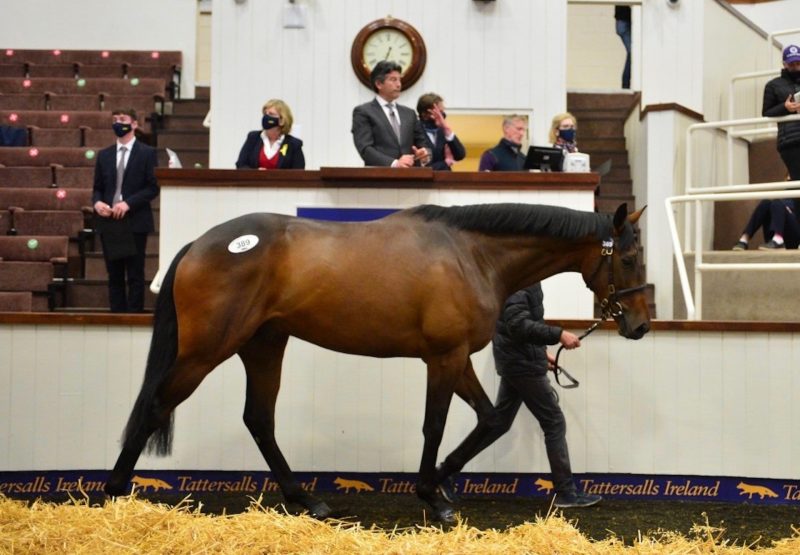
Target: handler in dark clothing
[522,361]
[779,216]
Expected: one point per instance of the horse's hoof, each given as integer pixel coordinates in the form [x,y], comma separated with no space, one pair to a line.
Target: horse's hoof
[116,488]
[445,515]
[319,510]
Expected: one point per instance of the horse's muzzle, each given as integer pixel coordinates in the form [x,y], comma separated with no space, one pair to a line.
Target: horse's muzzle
[636,333]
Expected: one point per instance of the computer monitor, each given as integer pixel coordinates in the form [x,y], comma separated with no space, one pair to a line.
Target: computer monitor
[544,158]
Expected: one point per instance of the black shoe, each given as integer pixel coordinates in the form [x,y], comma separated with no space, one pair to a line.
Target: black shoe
[449,490]
[740,246]
[771,245]
[569,500]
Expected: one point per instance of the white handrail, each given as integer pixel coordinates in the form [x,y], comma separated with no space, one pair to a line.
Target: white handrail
[694,304]
[718,125]
[731,110]
[688,186]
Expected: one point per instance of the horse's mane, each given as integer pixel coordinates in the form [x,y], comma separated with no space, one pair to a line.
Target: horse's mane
[531,219]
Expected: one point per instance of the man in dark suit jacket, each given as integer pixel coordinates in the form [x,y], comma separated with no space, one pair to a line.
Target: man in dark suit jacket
[445,147]
[384,132]
[122,204]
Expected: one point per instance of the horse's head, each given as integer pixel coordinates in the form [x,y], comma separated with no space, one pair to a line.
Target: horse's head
[615,276]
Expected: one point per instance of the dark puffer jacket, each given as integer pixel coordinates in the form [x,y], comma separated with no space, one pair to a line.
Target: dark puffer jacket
[775,94]
[521,336]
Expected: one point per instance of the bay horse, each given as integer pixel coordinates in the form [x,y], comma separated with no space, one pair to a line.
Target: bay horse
[425,282]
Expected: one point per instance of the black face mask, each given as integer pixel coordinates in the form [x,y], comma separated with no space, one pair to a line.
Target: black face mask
[121,129]
[429,124]
[794,75]
[268,121]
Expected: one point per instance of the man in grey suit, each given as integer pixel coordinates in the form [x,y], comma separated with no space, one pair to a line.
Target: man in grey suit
[384,132]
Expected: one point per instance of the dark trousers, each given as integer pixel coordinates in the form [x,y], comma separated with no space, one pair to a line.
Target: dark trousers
[133,266]
[541,399]
[791,157]
[776,216]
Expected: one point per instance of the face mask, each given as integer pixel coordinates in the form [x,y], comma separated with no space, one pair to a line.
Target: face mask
[567,134]
[121,129]
[795,76]
[429,124]
[268,121]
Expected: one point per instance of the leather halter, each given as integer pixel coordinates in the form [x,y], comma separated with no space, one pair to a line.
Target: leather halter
[610,307]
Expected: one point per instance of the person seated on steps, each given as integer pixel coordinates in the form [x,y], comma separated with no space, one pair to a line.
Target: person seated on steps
[778,217]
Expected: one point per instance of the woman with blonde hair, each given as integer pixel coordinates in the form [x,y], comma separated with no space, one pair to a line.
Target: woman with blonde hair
[272,147]
[563,132]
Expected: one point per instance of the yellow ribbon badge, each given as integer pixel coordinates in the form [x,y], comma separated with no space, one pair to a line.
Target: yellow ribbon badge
[284,148]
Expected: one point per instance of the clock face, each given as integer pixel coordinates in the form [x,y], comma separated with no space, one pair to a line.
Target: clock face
[388,39]
[388,44]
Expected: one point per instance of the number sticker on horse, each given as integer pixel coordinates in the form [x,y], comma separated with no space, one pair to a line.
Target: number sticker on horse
[243,244]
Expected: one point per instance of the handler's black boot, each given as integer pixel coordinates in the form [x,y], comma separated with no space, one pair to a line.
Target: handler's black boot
[576,500]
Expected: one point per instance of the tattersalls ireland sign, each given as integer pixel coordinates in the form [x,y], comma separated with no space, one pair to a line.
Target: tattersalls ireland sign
[58,484]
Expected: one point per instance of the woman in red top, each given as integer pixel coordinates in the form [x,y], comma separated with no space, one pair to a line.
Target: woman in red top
[273,147]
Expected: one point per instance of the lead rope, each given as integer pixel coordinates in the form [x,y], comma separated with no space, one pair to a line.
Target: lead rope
[558,370]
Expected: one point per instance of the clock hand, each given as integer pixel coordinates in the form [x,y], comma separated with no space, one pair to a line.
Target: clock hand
[387,53]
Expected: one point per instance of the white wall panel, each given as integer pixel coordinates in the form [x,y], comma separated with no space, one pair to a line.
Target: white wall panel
[707,403]
[480,57]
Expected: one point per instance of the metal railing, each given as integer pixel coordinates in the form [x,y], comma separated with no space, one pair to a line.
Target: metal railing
[689,187]
[694,310]
[699,195]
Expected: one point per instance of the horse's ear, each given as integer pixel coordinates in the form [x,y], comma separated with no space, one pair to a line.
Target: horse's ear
[619,216]
[633,218]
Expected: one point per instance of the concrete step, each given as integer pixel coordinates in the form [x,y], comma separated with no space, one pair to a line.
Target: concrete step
[177,140]
[598,127]
[590,144]
[616,187]
[198,107]
[184,123]
[618,171]
[608,204]
[601,101]
[755,295]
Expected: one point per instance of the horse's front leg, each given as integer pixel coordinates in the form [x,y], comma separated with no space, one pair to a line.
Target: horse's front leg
[443,373]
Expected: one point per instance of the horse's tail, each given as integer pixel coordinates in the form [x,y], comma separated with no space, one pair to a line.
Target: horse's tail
[163,351]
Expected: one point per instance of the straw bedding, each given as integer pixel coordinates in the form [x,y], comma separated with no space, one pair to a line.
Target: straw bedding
[130,525]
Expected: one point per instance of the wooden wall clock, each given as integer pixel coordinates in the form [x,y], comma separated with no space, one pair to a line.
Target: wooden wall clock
[389,39]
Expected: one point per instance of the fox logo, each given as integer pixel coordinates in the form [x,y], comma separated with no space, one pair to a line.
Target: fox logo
[544,485]
[347,485]
[751,490]
[154,483]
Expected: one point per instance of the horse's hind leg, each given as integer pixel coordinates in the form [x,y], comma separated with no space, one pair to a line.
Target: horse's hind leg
[262,357]
[183,378]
